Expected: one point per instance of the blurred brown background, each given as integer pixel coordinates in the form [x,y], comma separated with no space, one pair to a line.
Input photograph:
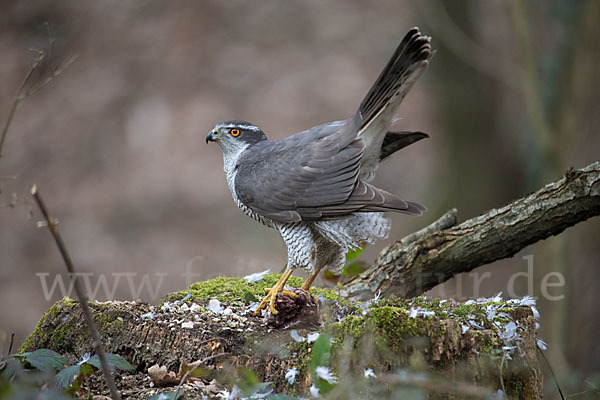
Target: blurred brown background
[116,143]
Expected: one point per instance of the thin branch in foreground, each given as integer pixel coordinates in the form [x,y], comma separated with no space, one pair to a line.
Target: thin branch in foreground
[80,292]
[25,91]
[12,341]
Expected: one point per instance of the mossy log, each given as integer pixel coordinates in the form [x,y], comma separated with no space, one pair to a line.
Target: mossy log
[481,346]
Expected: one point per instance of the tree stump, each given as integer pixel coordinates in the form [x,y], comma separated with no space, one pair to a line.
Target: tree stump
[378,348]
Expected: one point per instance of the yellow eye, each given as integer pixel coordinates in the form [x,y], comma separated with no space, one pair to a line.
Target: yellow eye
[235,132]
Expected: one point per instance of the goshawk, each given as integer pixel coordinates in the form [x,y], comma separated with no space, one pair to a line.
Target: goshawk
[314,186]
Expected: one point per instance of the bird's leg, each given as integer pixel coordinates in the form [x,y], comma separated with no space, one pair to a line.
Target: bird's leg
[308,283]
[274,291]
[311,278]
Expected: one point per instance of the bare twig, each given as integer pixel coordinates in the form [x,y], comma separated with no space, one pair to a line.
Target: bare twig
[408,270]
[81,295]
[562,396]
[446,221]
[12,341]
[196,365]
[25,92]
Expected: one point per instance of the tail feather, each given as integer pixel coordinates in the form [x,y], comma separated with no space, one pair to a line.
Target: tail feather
[368,198]
[395,141]
[375,113]
[402,70]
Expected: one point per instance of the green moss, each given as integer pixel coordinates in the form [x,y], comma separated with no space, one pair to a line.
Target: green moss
[108,322]
[517,389]
[463,310]
[391,325]
[52,331]
[42,334]
[238,290]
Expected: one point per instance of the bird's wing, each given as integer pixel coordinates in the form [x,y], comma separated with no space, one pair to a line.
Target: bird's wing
[294,179]
[311,176]
[377,110]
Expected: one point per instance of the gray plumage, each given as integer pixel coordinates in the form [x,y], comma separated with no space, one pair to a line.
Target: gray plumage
[314,186]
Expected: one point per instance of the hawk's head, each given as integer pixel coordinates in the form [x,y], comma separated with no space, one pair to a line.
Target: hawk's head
[235,135]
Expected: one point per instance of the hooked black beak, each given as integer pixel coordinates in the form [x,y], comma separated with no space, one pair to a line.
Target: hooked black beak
[211,137]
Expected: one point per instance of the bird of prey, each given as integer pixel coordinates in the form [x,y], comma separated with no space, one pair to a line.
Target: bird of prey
[314,186]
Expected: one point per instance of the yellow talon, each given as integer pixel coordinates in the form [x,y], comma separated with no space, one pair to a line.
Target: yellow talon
[273,292]
[284,292]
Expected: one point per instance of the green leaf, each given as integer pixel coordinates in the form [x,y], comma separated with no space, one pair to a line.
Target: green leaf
[249,298]
[355,268]
[113,360]
[70,377]
[248,378]
[44,360]
[279,396]
[200,372]
[352,254]
[10,368]
[321,351]
[255,389]
[166,396]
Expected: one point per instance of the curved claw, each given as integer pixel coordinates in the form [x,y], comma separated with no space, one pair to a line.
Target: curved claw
[271,297]
[284,292]
[270,300]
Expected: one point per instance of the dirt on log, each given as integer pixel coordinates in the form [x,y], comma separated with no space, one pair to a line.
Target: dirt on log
[443,348]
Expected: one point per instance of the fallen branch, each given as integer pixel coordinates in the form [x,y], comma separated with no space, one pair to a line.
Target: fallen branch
[411,267]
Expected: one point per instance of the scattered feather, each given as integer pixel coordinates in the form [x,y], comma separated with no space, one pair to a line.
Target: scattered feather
[148,315]
[527,301]
[415,312]
[312,337]
[541,344]
[326,374]
[314,391]
[186,298]
[296,336]
[215,306]
[509,332]
[290,375]
[377,296]
[84,358]
[256,277]
[536,313]
[369,373]
[195,308]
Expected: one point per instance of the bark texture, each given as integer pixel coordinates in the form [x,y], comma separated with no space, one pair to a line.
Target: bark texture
[417,264]
[382,336]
